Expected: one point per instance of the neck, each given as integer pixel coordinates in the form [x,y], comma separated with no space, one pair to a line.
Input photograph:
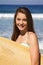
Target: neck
[23,32]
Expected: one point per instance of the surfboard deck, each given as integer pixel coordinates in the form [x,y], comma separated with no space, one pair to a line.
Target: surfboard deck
[12,53]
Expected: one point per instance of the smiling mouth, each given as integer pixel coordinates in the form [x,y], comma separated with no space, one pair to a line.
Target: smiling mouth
[21,25]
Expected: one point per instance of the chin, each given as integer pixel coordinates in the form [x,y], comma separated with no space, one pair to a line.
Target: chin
[21,29]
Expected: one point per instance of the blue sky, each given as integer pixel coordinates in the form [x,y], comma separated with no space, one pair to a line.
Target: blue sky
[21,2]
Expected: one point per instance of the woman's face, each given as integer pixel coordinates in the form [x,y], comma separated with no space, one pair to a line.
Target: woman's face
[21,21]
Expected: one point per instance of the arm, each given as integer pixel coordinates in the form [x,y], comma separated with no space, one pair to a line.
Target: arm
[34,49]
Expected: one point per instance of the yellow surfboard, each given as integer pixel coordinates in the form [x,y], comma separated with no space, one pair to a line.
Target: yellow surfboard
[12,53]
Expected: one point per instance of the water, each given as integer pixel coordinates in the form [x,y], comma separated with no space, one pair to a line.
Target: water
[6,26]
[12,8]
[6,23]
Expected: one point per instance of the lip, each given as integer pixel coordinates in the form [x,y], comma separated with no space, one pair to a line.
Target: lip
[21,25]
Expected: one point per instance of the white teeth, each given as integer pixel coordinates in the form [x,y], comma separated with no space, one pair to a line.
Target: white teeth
[20,25]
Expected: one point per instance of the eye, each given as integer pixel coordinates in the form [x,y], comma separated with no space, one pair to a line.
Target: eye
[18,19]
[24,19]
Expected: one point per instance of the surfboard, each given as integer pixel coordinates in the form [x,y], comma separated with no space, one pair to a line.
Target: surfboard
[12,53]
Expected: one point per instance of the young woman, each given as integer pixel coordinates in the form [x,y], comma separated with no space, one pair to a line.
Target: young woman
[24,33]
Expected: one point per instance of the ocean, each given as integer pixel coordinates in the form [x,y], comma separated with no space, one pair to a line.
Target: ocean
[12,8]
[7,16]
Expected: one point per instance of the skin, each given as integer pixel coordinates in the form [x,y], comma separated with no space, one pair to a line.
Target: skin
[27,37]
[21,23]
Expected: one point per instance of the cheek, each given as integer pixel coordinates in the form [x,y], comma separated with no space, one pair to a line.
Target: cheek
[25,23]
[17,22]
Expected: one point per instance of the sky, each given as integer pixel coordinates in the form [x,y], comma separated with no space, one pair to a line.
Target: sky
[30,2]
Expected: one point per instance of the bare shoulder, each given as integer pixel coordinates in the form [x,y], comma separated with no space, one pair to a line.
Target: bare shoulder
[33,38]
[32,35]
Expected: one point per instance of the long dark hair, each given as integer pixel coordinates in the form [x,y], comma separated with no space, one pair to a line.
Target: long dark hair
[27,12]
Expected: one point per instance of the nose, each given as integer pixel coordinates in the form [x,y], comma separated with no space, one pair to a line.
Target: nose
[21,22]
